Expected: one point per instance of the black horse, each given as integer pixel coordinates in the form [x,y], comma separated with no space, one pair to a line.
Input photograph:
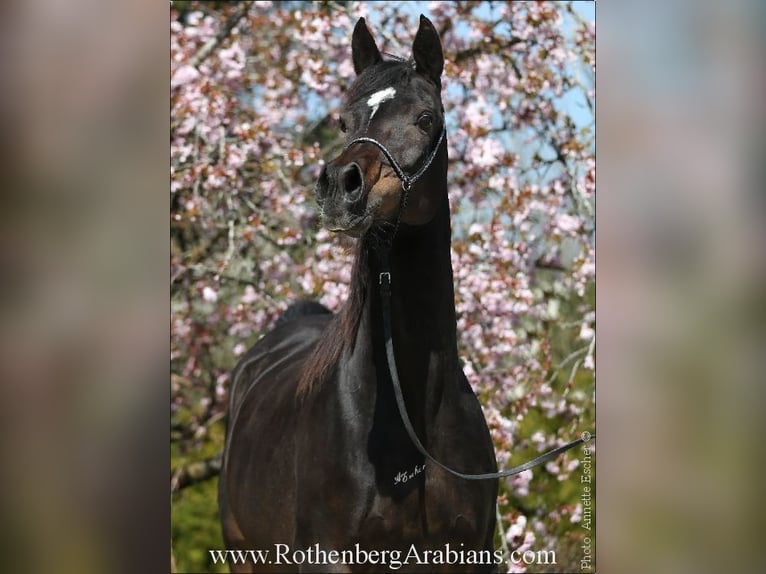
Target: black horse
[317,456]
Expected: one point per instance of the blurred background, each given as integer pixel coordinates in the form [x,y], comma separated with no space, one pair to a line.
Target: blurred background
[86,324]
[680,284]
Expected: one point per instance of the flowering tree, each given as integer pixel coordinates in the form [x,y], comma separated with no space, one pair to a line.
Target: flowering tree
[254,92]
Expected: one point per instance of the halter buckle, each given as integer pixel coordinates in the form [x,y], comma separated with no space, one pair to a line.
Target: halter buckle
[406,184]
[385,274]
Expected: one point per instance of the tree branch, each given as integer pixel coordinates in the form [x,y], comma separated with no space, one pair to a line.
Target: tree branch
[473,51]
[195,473]
[213,43]
[552,265]
[503,541]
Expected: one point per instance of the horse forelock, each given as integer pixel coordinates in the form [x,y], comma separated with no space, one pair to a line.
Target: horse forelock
[386,74]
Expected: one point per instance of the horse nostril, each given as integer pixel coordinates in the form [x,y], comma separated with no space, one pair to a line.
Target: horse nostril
[351,181]
[322,184]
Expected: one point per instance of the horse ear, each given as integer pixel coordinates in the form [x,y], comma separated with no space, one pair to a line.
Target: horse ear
[364,51]
[427,51]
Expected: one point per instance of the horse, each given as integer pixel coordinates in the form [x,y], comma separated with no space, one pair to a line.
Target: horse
[317,457]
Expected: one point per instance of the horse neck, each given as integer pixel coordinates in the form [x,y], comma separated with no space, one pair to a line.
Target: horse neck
[423,303]
[422,312]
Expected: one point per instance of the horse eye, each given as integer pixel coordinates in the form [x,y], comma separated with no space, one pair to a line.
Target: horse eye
[425,121]
[342,125]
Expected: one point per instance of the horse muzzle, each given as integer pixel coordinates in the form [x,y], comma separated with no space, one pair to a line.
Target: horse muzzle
[341,193]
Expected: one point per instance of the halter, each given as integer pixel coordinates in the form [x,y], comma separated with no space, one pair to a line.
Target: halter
[407,180]
[384,282]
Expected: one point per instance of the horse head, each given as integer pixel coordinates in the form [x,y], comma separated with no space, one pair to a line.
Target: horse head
[396,151]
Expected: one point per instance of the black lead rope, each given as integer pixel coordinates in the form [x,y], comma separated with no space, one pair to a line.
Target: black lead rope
[385,291]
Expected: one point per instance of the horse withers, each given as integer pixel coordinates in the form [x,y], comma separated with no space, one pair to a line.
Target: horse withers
[319,472]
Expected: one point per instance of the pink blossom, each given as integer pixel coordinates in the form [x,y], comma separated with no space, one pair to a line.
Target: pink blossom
[250,296]
[239,349]
[476,114]
[567,223]
[209,294]
[516,529]
[183,75]
[485,152]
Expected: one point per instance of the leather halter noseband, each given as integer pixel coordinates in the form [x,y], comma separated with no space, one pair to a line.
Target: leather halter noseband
[407,180]
[385,291]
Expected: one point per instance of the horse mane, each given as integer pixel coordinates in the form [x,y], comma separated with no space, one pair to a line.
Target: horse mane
[340,334]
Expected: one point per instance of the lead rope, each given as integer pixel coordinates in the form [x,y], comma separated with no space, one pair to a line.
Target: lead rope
[384,280]
[385,292]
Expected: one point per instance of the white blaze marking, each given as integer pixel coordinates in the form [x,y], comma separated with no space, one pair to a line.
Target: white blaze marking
[378,98]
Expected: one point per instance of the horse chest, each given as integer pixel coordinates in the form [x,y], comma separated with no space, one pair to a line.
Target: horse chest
[433,512]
